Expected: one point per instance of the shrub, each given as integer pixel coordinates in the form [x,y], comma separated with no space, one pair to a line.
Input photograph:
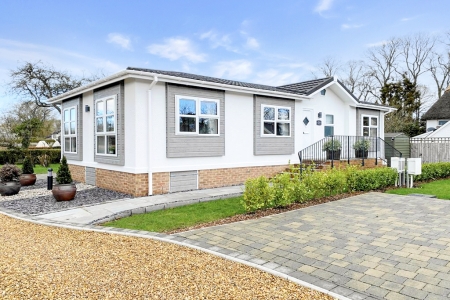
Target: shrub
[334,181]
[361,145]
[434,171]
[63,175]
[257,194]
[9,172]
[13,155]
[284,192]
[332,145]
[370,179]
[27,167]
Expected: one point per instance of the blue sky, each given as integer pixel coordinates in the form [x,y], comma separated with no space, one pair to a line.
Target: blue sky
[269,42]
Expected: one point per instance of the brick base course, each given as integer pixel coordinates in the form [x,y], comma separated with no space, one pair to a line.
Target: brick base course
[161,183]
[134,184]
[78,173]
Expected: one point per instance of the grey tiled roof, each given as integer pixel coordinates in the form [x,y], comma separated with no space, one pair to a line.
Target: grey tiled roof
[440,109]
[221,81]
[307,87]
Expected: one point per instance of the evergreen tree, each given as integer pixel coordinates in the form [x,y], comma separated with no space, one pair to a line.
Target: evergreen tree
[63,175]
[27,167]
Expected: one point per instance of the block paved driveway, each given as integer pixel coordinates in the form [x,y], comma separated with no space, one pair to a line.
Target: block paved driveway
[368,246]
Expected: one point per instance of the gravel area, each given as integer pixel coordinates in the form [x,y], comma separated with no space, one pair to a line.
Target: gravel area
[35,200]
[43,262]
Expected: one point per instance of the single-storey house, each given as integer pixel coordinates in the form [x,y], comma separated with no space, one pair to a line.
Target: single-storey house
[146,132]
[437,116]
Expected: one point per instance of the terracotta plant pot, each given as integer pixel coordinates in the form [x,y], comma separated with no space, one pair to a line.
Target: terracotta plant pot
[27,179]
[64,192]
[9,188]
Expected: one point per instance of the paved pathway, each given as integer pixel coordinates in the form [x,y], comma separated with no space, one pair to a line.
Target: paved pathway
[368,246]
[126,207]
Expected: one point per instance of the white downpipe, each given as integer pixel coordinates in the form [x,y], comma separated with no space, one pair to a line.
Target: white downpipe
[150,145]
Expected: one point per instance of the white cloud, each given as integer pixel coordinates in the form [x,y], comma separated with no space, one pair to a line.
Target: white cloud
[377,44]
[406,19]
[350,26]
[216,40]
[176,48]
[119,39]
[276,78]
[323,5]
[234,69]
[252,43]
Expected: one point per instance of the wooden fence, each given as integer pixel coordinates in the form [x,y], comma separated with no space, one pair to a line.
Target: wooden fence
[431,149]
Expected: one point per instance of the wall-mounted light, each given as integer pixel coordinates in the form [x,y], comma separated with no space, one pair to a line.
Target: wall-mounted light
[319,115]
[87,108]
[323,92]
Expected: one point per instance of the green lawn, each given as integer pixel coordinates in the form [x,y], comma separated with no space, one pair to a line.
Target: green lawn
[440,188]
[38,169]
[181,217]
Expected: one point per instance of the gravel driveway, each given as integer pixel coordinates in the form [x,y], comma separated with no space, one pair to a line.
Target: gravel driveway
[42,262]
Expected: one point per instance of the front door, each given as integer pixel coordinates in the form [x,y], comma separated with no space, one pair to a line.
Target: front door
[307,121]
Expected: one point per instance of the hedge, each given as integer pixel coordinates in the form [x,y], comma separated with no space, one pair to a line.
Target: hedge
[14,155]
[432,171]
[287,188]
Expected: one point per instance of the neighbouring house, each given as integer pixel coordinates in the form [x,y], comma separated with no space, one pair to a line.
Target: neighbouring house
[437,117]
[146,132]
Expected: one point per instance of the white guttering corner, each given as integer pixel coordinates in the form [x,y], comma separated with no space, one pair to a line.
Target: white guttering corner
[149,143]
[173,79]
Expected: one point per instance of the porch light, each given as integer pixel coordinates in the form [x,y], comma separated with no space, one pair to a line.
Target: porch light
[323,92]
[87,108]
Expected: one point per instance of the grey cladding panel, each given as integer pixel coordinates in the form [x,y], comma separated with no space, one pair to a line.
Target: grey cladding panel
[91,177]
[78,103]
[272,145]
[183,181]
[115,89]
[193,145]
[363,111]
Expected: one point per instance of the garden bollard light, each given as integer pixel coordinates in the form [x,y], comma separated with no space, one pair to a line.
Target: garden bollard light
[49,178]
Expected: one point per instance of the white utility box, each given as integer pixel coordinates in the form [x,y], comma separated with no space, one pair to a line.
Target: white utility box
[398,163]
[414,166]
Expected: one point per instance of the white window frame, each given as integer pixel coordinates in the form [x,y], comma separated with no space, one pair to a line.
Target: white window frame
[442,122]
[275,121]
[370,125]
[198,115]
[328,124]
[104,132]
[70,135]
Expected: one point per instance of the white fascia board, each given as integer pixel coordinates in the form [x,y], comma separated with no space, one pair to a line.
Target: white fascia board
[171,79]
[376,107]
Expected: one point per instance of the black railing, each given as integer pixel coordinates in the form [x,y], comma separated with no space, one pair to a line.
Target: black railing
[346,148]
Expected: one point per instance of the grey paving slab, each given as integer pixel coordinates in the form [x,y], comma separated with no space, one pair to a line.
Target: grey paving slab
[370,246]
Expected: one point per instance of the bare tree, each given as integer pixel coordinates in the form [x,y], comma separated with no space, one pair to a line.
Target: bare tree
[357,79]
[439,66]
[37,82]
[330,66]
[415,50]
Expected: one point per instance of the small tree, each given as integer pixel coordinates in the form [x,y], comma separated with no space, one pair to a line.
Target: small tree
[63,175]
[9,172]
[27,167]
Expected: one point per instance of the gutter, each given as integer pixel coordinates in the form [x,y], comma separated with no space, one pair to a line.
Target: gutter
[149,143]
[172,79]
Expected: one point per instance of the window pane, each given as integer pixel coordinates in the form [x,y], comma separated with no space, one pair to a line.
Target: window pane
[101,144]
[187,107]
[67,144]
[365,131]
[208,126]
[329,119]
[329,131]
[441,122]
[111,144]
[110,123]
[373,132]
[73,116]
[66,128]
[283,114]
[373,121]
[187,124]
[269,113]
[110,107]
[283,129]
[100,109]
[66,115]
[99,124]
[208,108]
[74,144]
[269,128]
[72,127]
[365,121]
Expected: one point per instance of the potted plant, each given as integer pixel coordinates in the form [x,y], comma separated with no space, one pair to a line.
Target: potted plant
[333,148]
[65,190]
[361,148]
[28,177]
[9,177]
